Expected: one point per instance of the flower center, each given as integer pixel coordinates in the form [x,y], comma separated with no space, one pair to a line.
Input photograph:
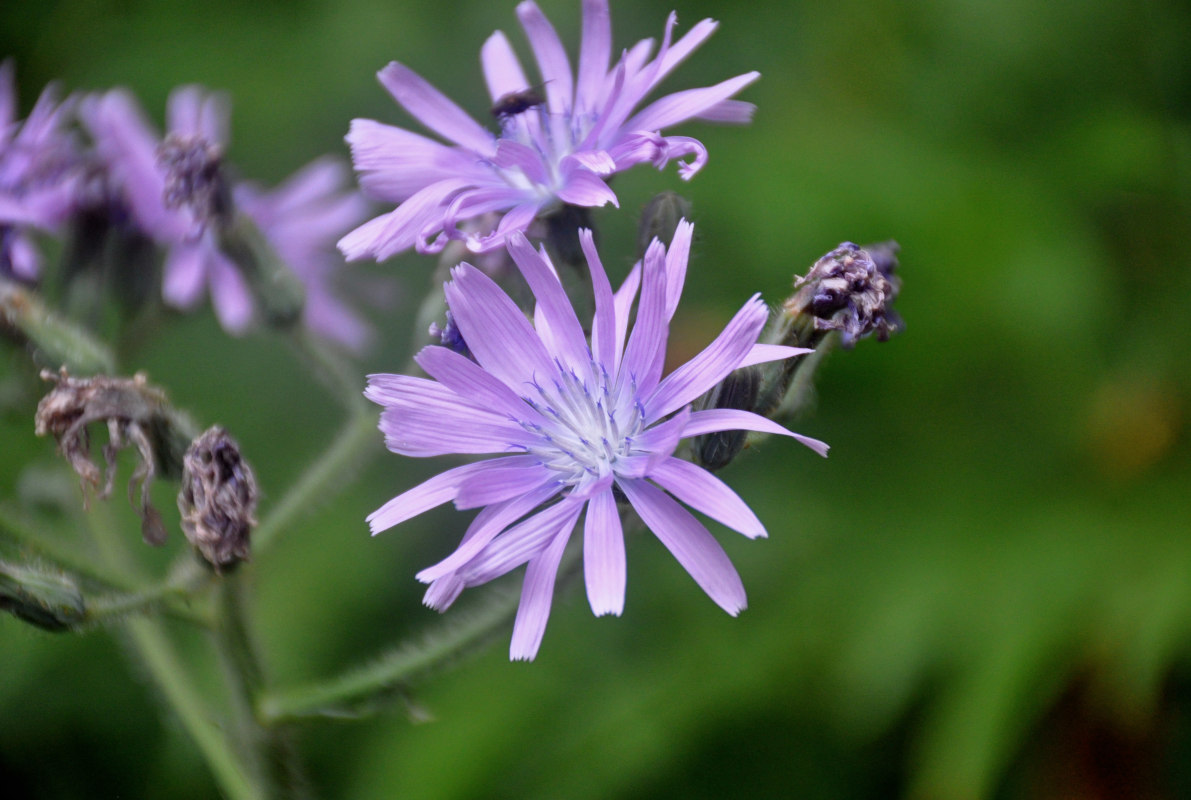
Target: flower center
[193,177]
[588,431]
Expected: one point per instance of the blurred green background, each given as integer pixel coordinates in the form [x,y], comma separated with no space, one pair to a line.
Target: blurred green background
[985,591]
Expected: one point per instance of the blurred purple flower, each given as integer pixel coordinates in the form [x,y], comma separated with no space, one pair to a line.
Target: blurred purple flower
[176,192]
[576,423]
[39,174]
[559,143]
[301,219]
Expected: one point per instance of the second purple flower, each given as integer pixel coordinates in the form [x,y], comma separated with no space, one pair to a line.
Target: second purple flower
[560,139]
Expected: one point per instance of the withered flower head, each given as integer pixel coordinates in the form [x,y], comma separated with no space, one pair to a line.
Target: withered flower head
[218,499]
[132,410]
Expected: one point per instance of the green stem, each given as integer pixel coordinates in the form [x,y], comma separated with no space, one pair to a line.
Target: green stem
[393,670]
[276,757]
[61,342]
[155,650]
[73,560]
[349,451]
[166,598]
[117,595]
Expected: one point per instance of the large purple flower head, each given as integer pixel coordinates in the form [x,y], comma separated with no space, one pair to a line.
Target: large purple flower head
[176,192]
[560,140]
[301,219]
[572,424]
[39,174]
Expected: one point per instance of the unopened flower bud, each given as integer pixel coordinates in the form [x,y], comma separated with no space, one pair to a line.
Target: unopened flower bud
[737,391]
[49,600]
[218,499]
[849,291]
[450,336]
[660,219]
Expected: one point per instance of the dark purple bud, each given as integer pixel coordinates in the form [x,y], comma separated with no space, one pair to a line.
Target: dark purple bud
[450,336]
[851,291]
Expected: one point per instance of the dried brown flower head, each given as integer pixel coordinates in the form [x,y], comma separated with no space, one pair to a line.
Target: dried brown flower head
[218,499]
[133,411]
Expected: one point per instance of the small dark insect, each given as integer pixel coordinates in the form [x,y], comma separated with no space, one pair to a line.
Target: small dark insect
[514,103]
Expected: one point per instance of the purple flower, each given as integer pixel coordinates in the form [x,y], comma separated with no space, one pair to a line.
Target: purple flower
[573,425]
[39,175]
[176,192]
[301,220]
[559,143]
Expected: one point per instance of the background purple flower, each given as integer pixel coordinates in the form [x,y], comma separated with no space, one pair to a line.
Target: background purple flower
[301,219]
[558,143]
[174,191]
[39,174]
[570,420]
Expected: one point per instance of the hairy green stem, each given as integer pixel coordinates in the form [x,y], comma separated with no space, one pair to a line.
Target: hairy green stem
[276,759]
[117,596]
[348,452]
[393,670]
[60,342]
[152,646]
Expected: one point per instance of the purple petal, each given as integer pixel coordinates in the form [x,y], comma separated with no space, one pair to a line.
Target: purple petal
[582,187]
[690,543]
[515,155]
[440,489]
[397,163]
[727,419]
[730,112]
[677,256]
[537,593]
[522,542]
[713,364]
[595,51]
[603,555]
[443,592]
[603,325]
[707,494]
[681,106]
[764,353]
[468,380]
[397,230]
[553,303]
[496,332]
[447,426]
[434,110]
[660,440]
[230,294]
[185,275]
[504,479]
[551,57]
[479,536]
[502,68]
[650,330]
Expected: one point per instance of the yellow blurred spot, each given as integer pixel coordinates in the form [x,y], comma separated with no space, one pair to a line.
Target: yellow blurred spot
[1131,423]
